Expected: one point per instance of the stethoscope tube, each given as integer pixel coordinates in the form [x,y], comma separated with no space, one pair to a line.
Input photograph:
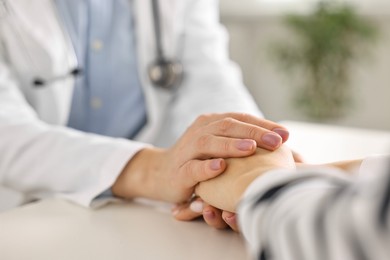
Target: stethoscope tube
[157,29]
[163,72]
[40,82]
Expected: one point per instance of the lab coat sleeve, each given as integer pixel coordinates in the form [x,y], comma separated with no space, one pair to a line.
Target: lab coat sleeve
[43,161]
[212,82]
[319,213]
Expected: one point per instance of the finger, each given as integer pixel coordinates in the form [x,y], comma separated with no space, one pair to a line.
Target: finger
[230,127]
[246,118]
[209,146]
[188,211]
[195,171]
[230,219]
[213,217]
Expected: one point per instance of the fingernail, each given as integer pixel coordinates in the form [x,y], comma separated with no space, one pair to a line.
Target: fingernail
[216,164]
[209,214]
[175,211]
[230,220]
[196,206]
[246,145]
[271,139]
[282,132]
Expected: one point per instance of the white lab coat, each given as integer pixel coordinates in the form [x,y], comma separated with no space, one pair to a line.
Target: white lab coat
[40,156]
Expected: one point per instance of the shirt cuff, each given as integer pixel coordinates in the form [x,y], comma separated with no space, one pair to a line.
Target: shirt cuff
[105,194]
[104,198]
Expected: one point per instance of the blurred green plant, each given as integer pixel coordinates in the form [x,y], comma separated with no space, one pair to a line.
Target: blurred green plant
[327,42]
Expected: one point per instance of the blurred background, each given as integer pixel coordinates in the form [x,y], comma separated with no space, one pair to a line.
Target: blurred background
[256,26]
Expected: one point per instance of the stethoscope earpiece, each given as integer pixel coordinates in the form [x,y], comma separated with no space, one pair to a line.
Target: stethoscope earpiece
[166,74]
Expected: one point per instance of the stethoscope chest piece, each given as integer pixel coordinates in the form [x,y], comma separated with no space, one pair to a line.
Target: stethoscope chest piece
[167,74]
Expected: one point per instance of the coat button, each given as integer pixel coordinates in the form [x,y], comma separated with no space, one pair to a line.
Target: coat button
[97,45]
[96,103]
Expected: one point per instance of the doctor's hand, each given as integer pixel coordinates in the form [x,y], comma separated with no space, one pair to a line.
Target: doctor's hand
[199,155]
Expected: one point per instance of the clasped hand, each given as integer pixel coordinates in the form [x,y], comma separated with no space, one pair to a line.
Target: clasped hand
[220,196]
[199,155]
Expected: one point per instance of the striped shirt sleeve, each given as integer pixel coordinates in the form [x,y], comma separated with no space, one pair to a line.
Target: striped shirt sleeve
[319,213]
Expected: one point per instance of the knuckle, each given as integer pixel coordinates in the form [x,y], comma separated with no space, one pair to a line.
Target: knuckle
[226,146]
[202,171]
[254,132]
[226,124]
[185,175]
[201,119]
[244,116]
[187,169]
[195,171]
[203,142]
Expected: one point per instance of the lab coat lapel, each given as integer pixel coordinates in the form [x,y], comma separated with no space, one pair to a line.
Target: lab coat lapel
[49,55]
[39,21]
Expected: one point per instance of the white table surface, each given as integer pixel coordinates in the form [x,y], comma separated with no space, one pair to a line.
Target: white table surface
[319,143]
[55,229]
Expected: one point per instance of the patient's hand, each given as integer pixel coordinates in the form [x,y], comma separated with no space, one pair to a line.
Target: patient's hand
[225,191]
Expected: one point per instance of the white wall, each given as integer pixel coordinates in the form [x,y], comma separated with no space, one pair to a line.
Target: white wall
[253,26]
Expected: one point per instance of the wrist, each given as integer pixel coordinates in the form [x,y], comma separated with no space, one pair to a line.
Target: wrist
[137,178]
[243,182]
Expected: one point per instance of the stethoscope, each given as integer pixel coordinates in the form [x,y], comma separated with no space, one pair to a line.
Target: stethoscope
[163,72]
